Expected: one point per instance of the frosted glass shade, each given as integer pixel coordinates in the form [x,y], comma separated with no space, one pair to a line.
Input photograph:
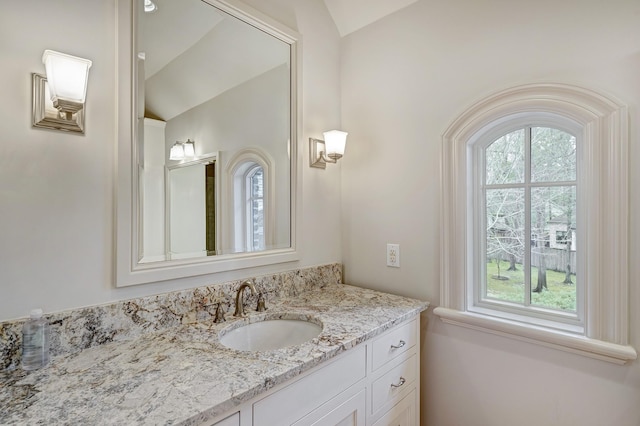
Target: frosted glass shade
[67,78]
[335,141]
[189,148]
[177,152]
[150,6]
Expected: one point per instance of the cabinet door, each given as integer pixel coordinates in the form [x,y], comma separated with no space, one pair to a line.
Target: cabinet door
[349,413]
[402,414]
[232,420]
[302,397]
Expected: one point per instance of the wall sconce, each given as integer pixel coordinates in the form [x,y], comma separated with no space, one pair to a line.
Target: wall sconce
[150,6]
[59,97]
[329,150]
[182,150]
[189,148]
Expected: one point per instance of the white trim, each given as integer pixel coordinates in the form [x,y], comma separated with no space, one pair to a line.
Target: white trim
[212,157]
[604,131]
[477,230]
[233,202]
[128,269]
[564,341]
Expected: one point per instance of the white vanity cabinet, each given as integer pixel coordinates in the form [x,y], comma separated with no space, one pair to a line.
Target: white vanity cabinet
[401,414]
[343,410]
[232,420]
[374,384]
[394,380]
[305,395]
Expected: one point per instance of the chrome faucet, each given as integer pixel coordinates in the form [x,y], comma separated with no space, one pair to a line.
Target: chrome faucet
[239,297]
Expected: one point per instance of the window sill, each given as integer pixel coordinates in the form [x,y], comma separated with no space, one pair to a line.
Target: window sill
[581,345]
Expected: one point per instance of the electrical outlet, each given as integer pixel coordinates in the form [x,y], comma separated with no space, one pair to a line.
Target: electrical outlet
[393,255]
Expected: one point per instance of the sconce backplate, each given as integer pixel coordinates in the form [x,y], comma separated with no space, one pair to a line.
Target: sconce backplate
[45,115]
[317,154]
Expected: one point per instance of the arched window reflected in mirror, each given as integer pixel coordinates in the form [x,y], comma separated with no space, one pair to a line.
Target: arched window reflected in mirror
[252,200]
[228,79]
[254,216]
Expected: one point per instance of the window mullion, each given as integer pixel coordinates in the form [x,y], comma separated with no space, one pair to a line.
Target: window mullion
[480,292]
[527,217]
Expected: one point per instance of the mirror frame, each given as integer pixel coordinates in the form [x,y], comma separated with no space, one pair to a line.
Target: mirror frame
[128,271]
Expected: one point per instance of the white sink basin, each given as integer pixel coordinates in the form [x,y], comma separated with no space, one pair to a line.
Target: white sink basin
[270,334]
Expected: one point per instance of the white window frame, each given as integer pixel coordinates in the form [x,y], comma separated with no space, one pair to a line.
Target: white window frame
[249,199]
[573,323]
[235,226]
[601,125]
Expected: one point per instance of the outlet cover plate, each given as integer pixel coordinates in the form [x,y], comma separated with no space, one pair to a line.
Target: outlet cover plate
[393,255]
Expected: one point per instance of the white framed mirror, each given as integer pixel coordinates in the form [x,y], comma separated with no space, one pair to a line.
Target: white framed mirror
[208,163]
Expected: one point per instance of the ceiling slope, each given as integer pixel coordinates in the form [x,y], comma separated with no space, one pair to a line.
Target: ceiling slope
[351,15]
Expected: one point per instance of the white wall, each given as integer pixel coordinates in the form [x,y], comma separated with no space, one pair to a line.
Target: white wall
[57,190]
[404,80]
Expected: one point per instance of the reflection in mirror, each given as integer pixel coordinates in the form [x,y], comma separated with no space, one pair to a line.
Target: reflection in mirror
[191,218]
[207,76]
[221,74]
[250,173]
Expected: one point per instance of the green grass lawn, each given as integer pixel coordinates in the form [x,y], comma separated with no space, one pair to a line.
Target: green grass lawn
[557,296]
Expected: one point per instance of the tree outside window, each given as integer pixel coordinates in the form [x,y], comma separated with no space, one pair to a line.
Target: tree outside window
[255,208]
[530,182]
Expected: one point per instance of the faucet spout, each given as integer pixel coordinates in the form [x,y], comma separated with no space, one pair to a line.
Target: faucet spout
[239,297]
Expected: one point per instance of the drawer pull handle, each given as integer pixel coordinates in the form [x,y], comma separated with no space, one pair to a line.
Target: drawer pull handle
[400,383]
[399,345]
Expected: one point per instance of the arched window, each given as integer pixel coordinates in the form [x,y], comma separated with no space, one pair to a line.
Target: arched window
[250,201]
[525,189]
[535,179]
[254,196]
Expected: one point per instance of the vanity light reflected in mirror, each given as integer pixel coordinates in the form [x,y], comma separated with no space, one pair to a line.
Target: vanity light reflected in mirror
[230,80]
[329,150]
[189,148]
[59,96]
[182,150]
[177,152]
[150,6]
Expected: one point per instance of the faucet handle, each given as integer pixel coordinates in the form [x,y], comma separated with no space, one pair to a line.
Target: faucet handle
[261,303]
[219,314]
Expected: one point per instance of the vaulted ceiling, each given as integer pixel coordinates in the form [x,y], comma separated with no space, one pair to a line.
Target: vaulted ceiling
[186,57]
[351,15]
[193,53]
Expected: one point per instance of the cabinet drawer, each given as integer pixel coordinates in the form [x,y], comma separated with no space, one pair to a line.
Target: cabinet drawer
[394,343]
[299,398]
[389,386]
[402,414]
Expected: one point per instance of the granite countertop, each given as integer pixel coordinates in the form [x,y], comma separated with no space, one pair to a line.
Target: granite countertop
[183,375]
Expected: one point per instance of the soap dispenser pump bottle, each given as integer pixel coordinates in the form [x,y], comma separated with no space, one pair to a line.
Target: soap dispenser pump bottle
[35,341]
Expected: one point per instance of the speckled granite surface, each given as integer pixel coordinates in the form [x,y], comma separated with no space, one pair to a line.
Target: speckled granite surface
[83,328]
[183,375]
